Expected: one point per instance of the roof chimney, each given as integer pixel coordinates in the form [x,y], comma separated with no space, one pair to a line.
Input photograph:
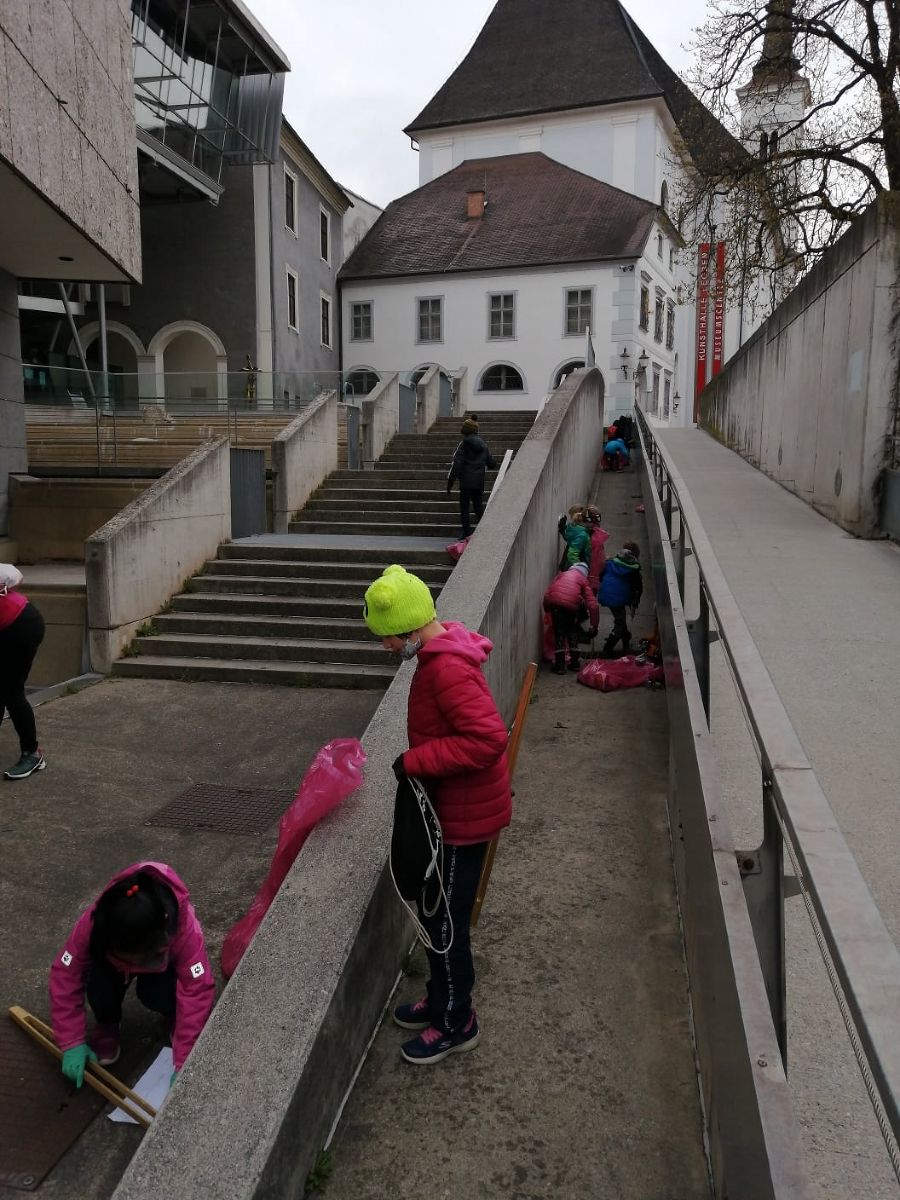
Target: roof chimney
[476,204]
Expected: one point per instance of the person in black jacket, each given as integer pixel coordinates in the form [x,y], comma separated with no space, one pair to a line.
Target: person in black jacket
[471,460]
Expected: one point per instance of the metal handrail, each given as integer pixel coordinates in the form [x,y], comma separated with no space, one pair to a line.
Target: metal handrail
[864,956]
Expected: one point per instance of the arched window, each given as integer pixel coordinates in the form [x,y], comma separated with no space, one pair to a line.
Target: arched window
[763,147]
[664,197]
[361,382]
[501,378]
[567,369]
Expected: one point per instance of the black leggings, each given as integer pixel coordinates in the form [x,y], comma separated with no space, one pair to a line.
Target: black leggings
[18,645]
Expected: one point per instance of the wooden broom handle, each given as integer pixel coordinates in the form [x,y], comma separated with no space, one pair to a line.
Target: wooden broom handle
[512,755]
[100,1080]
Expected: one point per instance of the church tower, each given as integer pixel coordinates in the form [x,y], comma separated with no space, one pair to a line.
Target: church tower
[777,95]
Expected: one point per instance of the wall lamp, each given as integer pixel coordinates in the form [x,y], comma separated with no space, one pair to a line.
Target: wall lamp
[624,356]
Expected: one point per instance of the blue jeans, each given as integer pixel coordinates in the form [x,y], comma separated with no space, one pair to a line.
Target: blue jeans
[453,972]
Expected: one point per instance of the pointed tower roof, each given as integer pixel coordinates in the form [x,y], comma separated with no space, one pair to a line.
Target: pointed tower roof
[536,57]
[778,63]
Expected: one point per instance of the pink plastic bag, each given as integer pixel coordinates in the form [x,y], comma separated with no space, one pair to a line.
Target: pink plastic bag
[609,675]
[455,549]
[335,772]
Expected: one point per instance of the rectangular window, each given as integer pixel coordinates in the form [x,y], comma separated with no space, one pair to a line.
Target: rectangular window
[579,311]
[431,319]
[645,308]
[667,395]
[292,300]
[324,235]
[361,321]
[658,319]
[503,315]
[670,326]
[326,320]
[290,200]
[654,405]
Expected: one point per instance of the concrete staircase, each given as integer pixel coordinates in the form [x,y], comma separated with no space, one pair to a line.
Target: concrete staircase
[289,609]
[406,494]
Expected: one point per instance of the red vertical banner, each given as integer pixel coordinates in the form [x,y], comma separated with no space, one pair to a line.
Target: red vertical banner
[719,311]
[702,325]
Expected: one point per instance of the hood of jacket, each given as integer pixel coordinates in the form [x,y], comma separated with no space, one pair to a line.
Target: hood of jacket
[626,559]
[161,872]
[457,639]
[473,445]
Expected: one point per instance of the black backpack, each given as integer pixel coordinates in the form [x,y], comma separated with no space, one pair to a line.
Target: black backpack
[417,843]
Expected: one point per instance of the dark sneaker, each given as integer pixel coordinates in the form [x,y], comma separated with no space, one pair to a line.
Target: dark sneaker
[104,1041]
[433,1045]
[412,1016]
[27,765]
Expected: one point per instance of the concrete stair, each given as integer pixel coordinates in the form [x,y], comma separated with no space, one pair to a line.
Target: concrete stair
[290,611]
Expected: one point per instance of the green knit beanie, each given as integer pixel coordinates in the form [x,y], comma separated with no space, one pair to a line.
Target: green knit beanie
[397,602]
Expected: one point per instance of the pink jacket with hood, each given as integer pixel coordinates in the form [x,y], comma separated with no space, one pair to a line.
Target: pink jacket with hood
[570,589]
[195,986]
[457,737]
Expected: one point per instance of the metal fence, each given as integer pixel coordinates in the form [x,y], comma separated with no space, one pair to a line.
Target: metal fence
[732,902]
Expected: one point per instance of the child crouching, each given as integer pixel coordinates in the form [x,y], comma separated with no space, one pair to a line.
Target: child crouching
[563,600]
[142,926]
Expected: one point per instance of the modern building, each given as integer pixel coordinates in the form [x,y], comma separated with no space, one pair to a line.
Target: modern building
[582,87]
[207,91]
[68,173]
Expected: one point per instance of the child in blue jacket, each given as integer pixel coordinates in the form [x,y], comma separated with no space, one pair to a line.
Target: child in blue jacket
[621,587]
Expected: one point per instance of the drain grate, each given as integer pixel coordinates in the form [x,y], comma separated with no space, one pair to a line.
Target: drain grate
[247,811]
[41,1113]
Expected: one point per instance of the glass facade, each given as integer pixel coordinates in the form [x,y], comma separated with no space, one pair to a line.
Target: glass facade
[200,91]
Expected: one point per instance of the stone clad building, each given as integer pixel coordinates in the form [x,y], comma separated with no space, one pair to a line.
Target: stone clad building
[68,172]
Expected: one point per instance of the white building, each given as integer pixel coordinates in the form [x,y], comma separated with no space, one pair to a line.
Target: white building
[570,103]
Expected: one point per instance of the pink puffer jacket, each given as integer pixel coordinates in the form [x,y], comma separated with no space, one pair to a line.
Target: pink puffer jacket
[195,986]
[570,589]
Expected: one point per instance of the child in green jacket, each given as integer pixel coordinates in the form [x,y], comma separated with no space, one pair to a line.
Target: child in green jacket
[574,532]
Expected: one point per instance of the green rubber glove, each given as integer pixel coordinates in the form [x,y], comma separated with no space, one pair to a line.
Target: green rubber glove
[75,1060]
[172,1078]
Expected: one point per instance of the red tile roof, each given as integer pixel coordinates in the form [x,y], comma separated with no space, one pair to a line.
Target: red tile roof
[538,213]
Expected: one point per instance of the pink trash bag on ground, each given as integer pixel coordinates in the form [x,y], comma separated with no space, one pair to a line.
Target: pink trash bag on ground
[455,549]
[611,674]
[334,773]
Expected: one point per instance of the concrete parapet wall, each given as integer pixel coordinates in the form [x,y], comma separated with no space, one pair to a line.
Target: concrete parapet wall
[141,558]
[428,399]
[380,419]
[262,1087]
[52,518]
[63,652]
[812,397]
[303,455]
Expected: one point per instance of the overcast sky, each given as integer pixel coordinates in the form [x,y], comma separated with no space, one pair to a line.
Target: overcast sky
[363,70]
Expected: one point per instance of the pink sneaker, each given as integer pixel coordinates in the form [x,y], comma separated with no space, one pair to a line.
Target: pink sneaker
[104,1041]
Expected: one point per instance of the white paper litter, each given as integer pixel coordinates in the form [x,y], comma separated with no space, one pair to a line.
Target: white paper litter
[152,1086]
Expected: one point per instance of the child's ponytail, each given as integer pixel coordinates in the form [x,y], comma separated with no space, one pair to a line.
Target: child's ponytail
[137,915]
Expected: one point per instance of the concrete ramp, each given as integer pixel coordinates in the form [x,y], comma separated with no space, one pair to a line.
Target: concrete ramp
[583,1085]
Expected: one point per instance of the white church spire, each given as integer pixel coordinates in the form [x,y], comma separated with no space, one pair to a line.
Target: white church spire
[778,95]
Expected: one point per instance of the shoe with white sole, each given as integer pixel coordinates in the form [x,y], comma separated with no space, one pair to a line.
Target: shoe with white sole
[27,765]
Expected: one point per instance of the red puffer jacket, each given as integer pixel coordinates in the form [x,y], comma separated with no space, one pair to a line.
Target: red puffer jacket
[570,589]
[457,737]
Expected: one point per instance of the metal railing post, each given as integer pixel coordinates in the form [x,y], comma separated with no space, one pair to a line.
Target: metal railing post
[698,632]
[762,874]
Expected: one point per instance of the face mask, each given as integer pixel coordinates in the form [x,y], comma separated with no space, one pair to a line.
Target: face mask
[410,649]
